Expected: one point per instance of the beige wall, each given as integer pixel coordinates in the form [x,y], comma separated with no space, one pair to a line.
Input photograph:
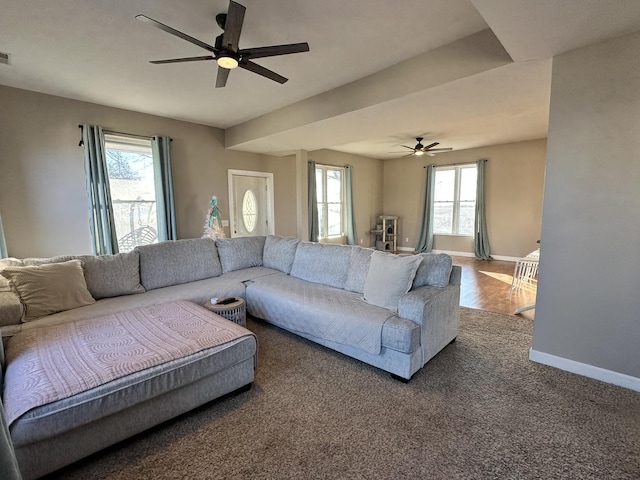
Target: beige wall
[514,189]
[588,306]
[43,198]
[367,188]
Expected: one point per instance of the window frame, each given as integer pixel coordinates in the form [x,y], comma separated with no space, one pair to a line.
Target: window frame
[455,221]
[132,144]
[323,220]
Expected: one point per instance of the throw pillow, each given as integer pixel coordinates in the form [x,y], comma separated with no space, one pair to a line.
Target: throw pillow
[389,278]
[49,288]
[240,252]
[434,271]
[112,275]
[279,252]
[358,269]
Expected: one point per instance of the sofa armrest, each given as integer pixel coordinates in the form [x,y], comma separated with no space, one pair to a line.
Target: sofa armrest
[437,311]
[10,309]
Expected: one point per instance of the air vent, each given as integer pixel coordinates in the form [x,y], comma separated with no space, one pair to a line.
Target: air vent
[4,58]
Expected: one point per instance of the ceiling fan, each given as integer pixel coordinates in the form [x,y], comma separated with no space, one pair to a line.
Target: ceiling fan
[421,149]
[226,51]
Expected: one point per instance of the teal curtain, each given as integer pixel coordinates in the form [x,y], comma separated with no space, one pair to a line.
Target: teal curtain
[165,205]
[481,240]
[425,242]
[103,232]
[351,221]
[8,464]
[3,243]
[312,202]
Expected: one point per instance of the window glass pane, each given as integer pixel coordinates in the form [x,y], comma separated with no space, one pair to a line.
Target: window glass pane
[322,224]
[443,218]
[133,195]
[334,219]
[319,186]
[334,186]
[249,215]
[444,185]
[468,178]
[467,218]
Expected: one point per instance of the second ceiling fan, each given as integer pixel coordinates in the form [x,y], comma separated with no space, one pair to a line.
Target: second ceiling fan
[226,51]
[421,149]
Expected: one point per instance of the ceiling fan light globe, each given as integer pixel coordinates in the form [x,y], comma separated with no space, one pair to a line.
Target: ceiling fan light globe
[227,62]
[419,152]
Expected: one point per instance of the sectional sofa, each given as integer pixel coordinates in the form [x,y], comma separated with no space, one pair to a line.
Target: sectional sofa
[393,312]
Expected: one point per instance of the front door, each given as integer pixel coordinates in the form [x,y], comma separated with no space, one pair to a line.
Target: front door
[250,203]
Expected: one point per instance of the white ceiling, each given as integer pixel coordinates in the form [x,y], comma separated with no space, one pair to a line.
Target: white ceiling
[96,51]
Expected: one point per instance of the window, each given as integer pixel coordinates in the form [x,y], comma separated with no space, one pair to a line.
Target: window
[249,215]
[454,200]
[133,194]
[330,197]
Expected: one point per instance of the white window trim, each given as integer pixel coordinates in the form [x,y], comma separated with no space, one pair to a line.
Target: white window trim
[343,228]
[455,224]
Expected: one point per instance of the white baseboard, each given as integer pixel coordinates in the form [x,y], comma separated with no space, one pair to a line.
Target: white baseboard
[591,371]
[464,254]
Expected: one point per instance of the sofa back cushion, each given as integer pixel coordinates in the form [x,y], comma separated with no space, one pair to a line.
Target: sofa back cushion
[178,261]
[322,263]
[240,252]
[112,275]
[279,252]
[49,288]
[389,278]
[358,269]
[434,271]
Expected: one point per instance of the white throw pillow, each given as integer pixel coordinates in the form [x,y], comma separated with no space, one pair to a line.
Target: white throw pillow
[49,288]
[389,278]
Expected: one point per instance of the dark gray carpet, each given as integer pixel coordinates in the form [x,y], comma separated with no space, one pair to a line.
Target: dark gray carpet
[479,409]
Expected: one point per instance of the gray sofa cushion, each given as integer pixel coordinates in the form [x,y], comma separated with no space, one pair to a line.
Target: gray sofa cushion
[322,263]
[178,261]
[112,275]
[240,252]
[434,271]
[279,252]
[358,269]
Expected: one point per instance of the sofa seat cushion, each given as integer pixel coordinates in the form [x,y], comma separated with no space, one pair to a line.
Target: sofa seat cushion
[329,313]
[322,263]
[178,261]
[228,285]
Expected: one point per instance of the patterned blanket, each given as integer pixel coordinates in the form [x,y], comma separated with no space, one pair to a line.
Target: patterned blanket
[51,363]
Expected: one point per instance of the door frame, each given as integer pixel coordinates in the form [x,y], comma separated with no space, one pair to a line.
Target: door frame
[232,201]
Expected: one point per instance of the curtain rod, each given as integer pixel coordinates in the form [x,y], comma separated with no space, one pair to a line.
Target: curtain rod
[455,164]
[121,133]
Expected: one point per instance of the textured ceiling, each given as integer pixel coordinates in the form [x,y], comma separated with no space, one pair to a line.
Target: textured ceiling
[96,51]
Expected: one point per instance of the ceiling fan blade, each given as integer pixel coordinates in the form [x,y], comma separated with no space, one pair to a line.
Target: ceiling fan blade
[221,79]
[410,148]
[177,33]
[233,26]
[431,145]
[408,154]
[429,154]
[440,149]
[179,60]
[274,50]
[260,70]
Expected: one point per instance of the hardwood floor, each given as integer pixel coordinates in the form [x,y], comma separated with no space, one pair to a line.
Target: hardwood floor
[486,285]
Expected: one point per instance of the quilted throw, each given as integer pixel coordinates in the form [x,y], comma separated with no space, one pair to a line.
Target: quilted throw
[52,363]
